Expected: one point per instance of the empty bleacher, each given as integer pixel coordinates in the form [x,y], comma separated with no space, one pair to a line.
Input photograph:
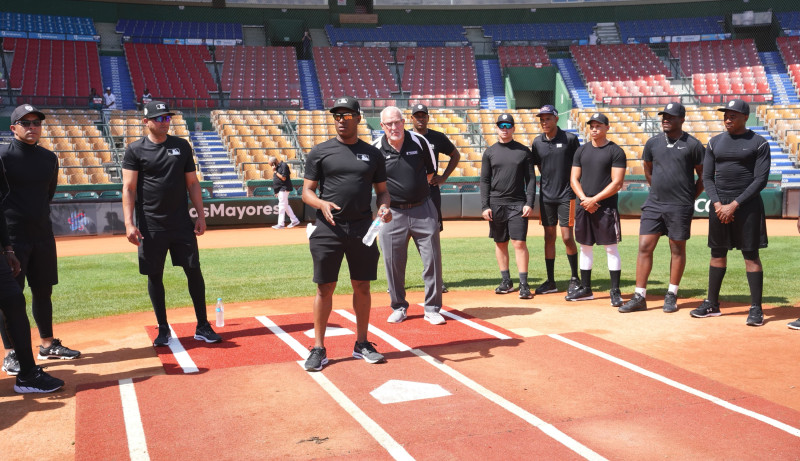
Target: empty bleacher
[259,76]
[356,71]
[85,156]
[523,56]
[148,31]
[43,23]
[440,76]
[723,69]
[624,74]
[789,48]
[173,73]
[783,123]
[394,33]
[642,30]
[54,72]
[538,32]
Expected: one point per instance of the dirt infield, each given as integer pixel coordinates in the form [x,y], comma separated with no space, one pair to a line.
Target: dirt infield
[758,362]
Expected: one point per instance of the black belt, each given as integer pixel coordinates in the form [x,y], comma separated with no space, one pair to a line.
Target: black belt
[406,206]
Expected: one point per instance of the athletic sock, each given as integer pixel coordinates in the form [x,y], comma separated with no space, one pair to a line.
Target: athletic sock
[586,278]
[756,282]
[523,278]
[506,275]
[615,276]
[641,291]
[673,288]
[573,264]
[715,276]
[550,264]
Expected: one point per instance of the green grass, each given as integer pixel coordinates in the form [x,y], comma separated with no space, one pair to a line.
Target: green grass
[99,286]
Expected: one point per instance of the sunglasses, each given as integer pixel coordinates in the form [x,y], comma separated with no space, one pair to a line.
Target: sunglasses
[340,117]
[28,123]
[505,126]
[162,118]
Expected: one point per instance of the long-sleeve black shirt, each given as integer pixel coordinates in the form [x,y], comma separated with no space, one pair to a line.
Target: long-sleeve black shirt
[32,174]
[736,166]
[507,175]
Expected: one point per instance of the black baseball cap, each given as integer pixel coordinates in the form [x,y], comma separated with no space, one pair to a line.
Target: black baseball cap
[675,109]
[736,105]
[155,109]
[598,117]
[24,110]
[419,108]
[505,118]
[346,102]
[547,109]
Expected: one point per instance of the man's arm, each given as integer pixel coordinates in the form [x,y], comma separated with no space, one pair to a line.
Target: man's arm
[648,172]
[310,198]
[196,196]
[383,200]
[129,179]
[455,157]
[698,185]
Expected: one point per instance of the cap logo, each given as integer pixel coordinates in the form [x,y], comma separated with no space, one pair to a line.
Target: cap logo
[595,115]
[341,101]
[28,107]
[161,106]
[730,104]
[669,106]
[145,111]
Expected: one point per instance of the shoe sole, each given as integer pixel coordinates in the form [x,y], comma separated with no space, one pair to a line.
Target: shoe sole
[368,360]
[34,390]
[322,364]
[793,327]
[753,324]
[505,292]
[389,320]
[55,357]
[436,322]
[627,311]
[203,338]
[292,225]
[619,304]
[698,316]
[15,373]
[525,296]
[585,298]
[669,310]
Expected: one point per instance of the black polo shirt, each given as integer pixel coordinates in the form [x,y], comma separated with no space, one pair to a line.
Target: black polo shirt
[161,195]
[554,159]
[407,171]
[736,166]
[32,175]
[507,175]
[596,164]
[440,143]
[672,181]
[346,173]
[279,184]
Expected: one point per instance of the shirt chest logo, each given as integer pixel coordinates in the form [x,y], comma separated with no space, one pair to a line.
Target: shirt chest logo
[412,152]
[363,157]
[175,151]
[559,145]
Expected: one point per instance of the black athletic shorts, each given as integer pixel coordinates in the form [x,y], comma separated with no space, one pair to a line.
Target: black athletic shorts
[39,263]
[182,246]
[561,213]
[674,221]
[601,227]
[329,244]
[507,222]
[747,232]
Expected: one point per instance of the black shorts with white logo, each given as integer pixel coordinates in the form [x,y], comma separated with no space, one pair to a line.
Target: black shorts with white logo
[182,247]
[747,232]
[674,221]
[601,227]
[561,213]
[329,244]
[507,222]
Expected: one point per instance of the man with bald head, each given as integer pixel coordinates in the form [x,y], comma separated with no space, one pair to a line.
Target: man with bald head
[410,165]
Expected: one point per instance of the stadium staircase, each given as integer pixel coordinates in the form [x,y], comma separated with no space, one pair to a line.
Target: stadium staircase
[490,81]
[607,33]
[780,84]
[577,89]
[312,97]
[114,70]
[215,164]
[781,164]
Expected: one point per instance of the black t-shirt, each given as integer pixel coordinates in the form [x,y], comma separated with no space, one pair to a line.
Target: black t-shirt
[736,166]
[32,174]
[672,181]
[161,196]
[554,159]
[440,142]
[279,184]
[346,173]
[507,176]
[596,164]
[407,170]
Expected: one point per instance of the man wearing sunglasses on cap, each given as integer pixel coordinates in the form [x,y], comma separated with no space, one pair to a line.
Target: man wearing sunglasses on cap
[508,188]
[32,173]
[157,171]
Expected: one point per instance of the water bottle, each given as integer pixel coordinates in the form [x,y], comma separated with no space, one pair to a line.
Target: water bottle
[372,232]
[220,311]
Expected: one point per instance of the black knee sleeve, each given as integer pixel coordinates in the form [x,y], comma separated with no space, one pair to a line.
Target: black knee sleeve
[719,252]
[750,255]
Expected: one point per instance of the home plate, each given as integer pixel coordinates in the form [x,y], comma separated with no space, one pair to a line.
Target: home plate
[331,331]
[395,391]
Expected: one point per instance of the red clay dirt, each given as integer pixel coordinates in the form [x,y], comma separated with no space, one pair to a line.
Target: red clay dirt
[721,355]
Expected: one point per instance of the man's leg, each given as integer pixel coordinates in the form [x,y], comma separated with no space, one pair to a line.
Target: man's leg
[426,237]
[677,262]
[292,217]
[571,249]
[155,289]
[755,279]
[362,303]
[197,291]
[18,329]
[283,202]
[323,303]
[550,251]
[644,260]
[716,273]
[521,256]
[393,240]
[42,310]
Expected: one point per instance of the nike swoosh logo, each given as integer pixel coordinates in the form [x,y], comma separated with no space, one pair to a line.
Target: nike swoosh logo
[679,148]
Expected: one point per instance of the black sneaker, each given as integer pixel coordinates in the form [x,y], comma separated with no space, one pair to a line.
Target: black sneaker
[548,286]
[505,287]
[37,381]
[57,351]
[444,289]
[580,294]
[616,297]
[525,291]
[163,337]
[670,303]
[366,351]
[706,309]
[636,303]
[317,359]
[205,333]
[574,284]
[794,325]
[11,364]
[756,316]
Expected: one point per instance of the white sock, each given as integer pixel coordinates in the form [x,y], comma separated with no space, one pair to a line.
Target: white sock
[673,289]
[586,260]
[614,261]
[641,291]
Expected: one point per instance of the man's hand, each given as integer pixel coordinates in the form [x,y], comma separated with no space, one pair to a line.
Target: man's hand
[385,213]
[437,180]
[133,234]
[487,214]
[13,262]
[725,212]
[589,204]
[200,225]
[326,208]
[527,211]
